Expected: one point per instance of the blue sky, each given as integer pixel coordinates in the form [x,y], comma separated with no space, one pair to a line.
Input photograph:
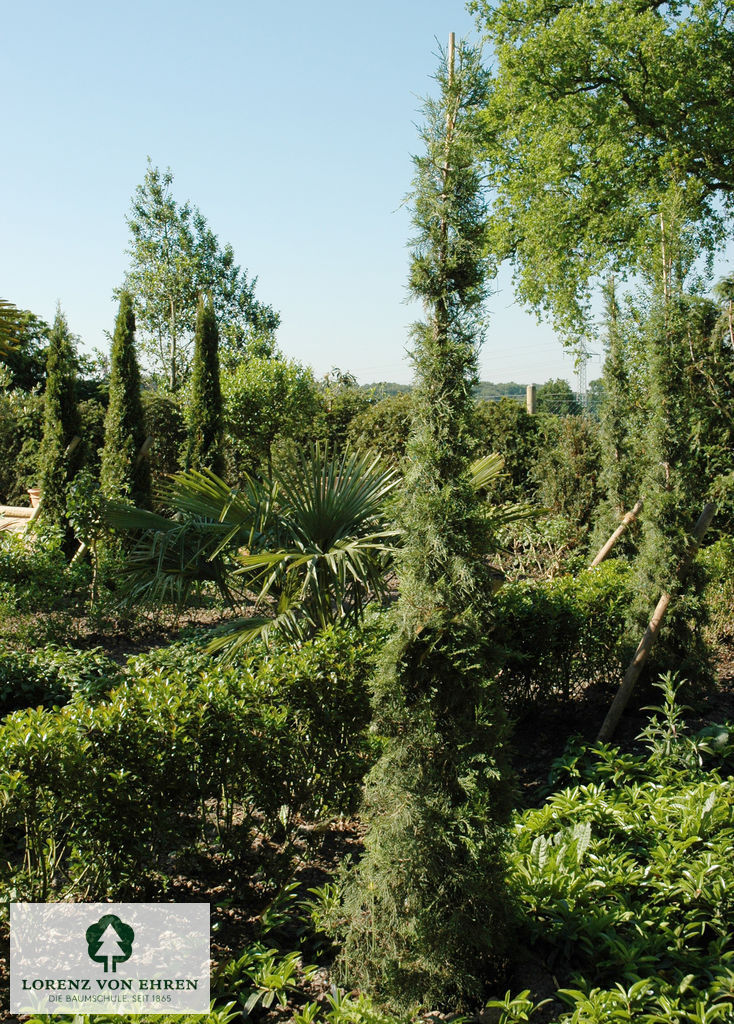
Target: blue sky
[291,126]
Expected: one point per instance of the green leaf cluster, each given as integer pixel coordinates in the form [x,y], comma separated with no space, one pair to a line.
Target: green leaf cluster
[561,636]
[627,876]
[52,675]
[174,258]
[266,401]
[603,115]
[311,546]
[101,794]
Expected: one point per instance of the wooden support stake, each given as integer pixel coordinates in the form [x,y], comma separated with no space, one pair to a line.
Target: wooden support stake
[530,401]
[144,449]
[636,665]
[80,552]
[629,518]
[450,61]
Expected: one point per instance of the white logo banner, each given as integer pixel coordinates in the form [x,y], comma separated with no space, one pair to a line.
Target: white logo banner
[81,958]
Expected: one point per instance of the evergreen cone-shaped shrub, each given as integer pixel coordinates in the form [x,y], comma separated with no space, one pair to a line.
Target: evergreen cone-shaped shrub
[123,473]
[205,418]
[427,909]
[61,423]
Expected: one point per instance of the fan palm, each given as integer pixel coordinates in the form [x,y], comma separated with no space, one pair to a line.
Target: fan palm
[308,548]
[311,545]
[211,521]
[328,547]
[483,473]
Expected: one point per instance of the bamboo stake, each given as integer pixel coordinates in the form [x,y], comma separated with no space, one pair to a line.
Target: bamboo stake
[645,646]
[80,552]
[628,518]
[144,449]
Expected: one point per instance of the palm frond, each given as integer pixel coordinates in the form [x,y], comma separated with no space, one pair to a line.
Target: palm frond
[500,516]
[485,471]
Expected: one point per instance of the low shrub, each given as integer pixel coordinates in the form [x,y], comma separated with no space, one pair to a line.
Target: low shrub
[52,675]
[562,635]
[35,574]
[106,794]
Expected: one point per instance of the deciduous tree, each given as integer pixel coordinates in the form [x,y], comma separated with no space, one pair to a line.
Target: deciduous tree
[175,257]
[267,400]
[602,114]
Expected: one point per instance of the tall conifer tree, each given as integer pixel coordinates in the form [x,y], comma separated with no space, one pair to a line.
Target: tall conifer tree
[61,422]
[426,907]
[205,418]
[124,474]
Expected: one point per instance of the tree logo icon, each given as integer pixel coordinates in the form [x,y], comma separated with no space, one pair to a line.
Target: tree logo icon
[110,942]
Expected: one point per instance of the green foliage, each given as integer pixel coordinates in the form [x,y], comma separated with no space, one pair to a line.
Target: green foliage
[566,469]
[557,398]
[600,114]
[60,421]
[261,977]
[506,427]
[21,430]
[266,401]
[25,356]
[384,427]
[313,544]
[205,409]
[323,552]
[717,561]
[543,548]
[165,423]
[9,315]
[102,795]
[123,474]
[627,876]
[620,411]
[561,636]
[674,488]
[52,675]
[91,423]
[342,402]
[426,909]
[174,258]
[35,576]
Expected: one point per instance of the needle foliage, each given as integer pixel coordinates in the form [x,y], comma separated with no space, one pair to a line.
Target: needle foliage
[61,422]
[426,906]
[123,474]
